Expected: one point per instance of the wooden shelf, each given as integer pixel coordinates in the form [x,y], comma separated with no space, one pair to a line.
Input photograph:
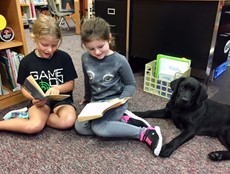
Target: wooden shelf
[12,44]
[24,5]
[11,99]
[18,44]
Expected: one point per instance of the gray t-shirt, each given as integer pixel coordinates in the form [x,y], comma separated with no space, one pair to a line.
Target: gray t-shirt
[107,78]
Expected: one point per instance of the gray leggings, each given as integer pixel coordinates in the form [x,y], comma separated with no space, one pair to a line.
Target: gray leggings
[110,125]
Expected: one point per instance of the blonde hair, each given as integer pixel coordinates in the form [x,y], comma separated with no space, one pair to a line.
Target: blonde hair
[46,25]
[96,28]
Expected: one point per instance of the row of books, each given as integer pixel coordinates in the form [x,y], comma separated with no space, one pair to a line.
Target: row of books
[9,64]
[39,10]
[41,7]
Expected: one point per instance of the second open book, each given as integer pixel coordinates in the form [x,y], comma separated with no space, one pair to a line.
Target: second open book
[96,110]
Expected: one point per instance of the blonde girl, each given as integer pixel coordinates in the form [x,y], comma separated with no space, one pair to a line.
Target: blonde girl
[54,71]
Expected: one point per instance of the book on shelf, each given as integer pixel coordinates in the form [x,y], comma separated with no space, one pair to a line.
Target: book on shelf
[1,87]
[5,66]
[3,91]
[12,67]
[5,79]
[10,61]
[15,58]
[32,8]
[35,90]
[96,110]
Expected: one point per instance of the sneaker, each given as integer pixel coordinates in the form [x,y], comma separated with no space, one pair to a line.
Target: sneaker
[152,136]
[20,113]
[133,119]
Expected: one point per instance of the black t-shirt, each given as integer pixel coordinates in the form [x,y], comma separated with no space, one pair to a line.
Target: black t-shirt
[47,72]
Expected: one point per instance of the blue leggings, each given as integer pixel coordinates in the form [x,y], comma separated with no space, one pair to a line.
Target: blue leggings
[110,125]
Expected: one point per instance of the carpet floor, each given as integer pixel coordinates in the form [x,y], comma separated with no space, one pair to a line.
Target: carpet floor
[65,152]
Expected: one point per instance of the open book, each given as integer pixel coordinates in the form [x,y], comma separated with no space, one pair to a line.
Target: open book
[96,110]
[34,89]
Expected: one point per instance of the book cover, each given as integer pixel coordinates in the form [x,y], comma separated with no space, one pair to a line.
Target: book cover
[16,62]
[5,77]
[4,60]
[34,89]
[5,91]
[96,110]
[1,88]
[12,67]
[170,64]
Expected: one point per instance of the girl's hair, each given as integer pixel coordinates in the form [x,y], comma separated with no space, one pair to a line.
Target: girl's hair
[46,25]
[94,29]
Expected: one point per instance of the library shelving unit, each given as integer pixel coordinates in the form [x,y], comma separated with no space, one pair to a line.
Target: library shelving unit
[26,11]
[18,44]
[31,8]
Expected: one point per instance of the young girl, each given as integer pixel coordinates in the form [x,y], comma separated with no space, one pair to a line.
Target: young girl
[108,75]
[54,71]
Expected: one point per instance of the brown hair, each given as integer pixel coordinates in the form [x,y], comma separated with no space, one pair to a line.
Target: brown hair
[96,28]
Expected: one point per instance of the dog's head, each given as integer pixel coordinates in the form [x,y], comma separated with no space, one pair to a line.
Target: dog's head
[187,92]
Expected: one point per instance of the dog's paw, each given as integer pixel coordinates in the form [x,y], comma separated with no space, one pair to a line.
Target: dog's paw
[166,151]
[215,156]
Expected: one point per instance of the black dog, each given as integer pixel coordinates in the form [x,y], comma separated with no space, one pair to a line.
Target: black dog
[194,114]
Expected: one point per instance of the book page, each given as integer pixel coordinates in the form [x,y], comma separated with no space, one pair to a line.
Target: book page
[97,109]
[57,97]
[173,65]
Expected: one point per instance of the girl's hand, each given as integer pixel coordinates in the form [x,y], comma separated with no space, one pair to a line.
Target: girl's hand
[53,91]
[39,103]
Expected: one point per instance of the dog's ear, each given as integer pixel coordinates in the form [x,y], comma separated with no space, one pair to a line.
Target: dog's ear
[175,83]
[202,94]
[174,86]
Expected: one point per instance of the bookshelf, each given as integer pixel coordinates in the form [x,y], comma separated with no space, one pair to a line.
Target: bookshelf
[31,8]
[18,45]
[25,11]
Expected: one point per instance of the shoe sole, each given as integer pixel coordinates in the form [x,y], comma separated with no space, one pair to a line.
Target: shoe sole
[132,115]
[157,150]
